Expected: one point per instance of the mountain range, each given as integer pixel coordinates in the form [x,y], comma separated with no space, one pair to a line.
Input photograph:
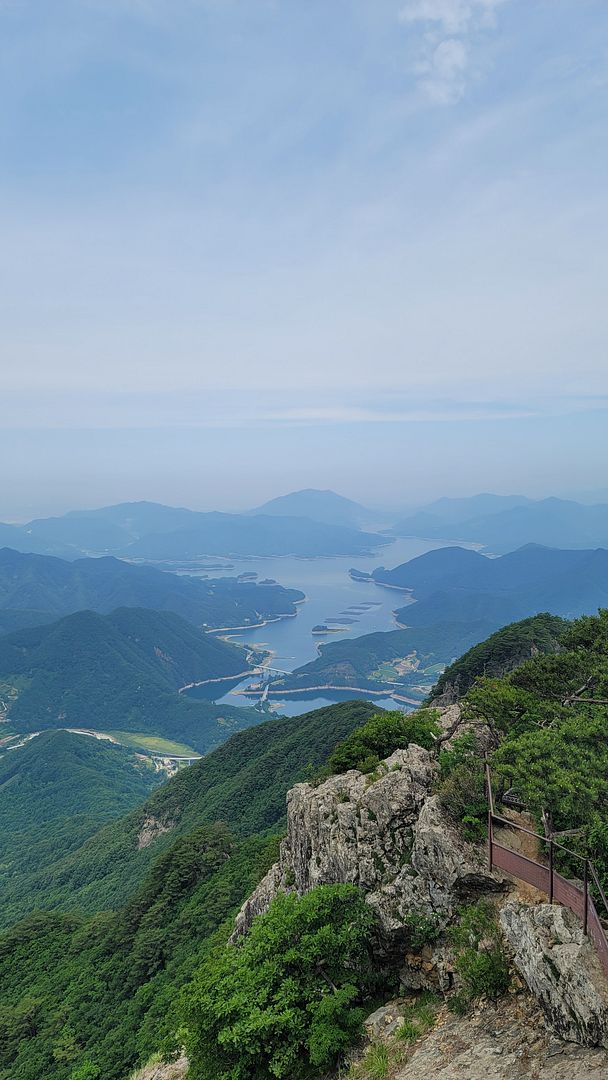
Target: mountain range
[38,588]
[152,531]
[457,598]
[521,583]
[504,523]
[57,790]
[119,672]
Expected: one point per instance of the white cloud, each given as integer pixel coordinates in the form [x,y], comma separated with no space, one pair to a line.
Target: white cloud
[452,16]
[450,30]
[443,72]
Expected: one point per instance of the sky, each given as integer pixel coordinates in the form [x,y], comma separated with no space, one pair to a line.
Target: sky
[248,246]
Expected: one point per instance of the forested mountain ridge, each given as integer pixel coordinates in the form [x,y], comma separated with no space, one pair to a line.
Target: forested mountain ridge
[532,579]
[35,584]
[499,654]
[242,783]
[119,672]
[102,993]
[57,790]
[104,990]
[359,662]
[153,531]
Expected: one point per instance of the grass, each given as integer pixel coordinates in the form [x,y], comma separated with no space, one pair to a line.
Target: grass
[153,744]
[381,1057]
[377,1061]
[418,1018]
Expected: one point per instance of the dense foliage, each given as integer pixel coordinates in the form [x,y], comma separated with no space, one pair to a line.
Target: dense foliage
[286,1001]
[55,792]
[243,783]
[38,584]
[552,712]
[99,993]
[380,736]
[120,672]
[501,653]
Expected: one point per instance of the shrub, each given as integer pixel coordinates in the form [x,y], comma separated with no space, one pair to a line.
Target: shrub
[285,1002]
[480,957]
[422,929]
[461,788]
[381,736]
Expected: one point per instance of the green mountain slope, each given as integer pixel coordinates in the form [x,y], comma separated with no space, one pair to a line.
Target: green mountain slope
[505,650]
[37,584]
[359,662]
[91,997]
[242,783]
[56,791]
[103,990]
[119,672]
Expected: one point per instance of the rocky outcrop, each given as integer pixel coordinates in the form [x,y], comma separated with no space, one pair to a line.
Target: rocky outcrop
[174,1070]
[560,967]
[506,1041]
[386,834]
[153,827]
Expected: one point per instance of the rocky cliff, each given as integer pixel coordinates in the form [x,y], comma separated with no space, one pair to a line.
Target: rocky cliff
[388,834]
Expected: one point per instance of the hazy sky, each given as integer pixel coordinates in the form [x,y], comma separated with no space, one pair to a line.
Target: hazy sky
[252,245]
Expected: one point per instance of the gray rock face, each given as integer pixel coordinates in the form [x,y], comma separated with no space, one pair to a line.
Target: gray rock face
[561,969]
[387,835]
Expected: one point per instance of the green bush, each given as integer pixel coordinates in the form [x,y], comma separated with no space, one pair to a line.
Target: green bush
[380,736]
[462,790]
[480,957]
[422,929]
[286,1001]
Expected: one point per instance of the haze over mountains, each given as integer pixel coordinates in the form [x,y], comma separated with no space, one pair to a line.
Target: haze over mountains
[324,506]
[505,523]
[152,531]
[307,523]
[460,597]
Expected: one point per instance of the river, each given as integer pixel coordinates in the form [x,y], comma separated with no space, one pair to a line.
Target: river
[330,592]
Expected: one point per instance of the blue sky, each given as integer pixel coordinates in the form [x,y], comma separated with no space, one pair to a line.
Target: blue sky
[250,245]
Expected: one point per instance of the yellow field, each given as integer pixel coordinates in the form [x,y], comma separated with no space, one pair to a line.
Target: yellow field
[153,744]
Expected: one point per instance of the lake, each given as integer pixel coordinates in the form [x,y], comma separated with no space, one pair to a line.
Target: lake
[330,592]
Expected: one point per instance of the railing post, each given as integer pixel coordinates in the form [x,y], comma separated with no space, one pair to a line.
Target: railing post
[550,871]
[586,890]
[490,841]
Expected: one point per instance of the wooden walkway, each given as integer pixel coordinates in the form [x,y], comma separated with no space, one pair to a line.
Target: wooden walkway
[558,889]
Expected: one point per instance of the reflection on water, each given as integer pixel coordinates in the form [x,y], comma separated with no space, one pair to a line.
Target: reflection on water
[330,594]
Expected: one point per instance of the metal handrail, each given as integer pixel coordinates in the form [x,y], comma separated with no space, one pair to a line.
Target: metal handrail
[588,867]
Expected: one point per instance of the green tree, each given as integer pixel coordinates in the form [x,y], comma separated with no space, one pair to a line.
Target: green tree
[284,1002]
[380,736]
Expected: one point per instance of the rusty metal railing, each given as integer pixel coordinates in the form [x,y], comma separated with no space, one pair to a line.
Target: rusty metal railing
[547,879]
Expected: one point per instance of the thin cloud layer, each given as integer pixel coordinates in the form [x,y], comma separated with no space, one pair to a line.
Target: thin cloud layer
[451,33]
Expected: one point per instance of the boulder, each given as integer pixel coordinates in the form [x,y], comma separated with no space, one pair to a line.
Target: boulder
[560,967]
